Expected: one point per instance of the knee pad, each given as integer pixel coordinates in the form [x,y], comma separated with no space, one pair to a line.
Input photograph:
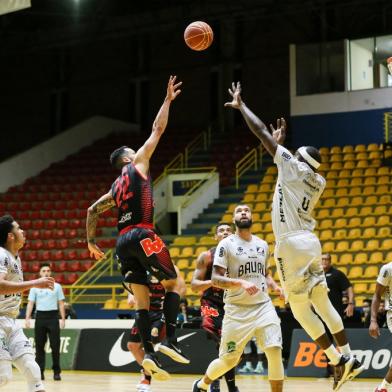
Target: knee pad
[275,363]
[308,319]
[29,368]
[5,372]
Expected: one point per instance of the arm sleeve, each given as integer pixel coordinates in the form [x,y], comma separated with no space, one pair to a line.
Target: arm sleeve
[60,294]
[384,276]
[33,295]
[220,258]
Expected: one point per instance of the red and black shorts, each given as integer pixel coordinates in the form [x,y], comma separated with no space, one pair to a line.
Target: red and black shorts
[140,250]
[212,317]
[158,329]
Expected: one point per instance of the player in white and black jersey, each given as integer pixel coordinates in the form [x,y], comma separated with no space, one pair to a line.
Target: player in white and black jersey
[298,250]
[240,265]
[383,288]
[15,348]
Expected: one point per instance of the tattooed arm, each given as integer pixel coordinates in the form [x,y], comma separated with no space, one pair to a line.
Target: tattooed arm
[219,279]
[199,281]
[104,203]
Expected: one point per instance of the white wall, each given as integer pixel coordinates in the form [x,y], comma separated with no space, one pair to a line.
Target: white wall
[361,64]
[20,167]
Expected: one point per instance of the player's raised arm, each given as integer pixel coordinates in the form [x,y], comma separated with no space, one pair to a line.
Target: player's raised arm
[104,203]
[270,142]
[198,279]
[145,152]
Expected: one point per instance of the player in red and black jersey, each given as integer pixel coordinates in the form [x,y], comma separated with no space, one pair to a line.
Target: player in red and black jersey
[139,249]
[212,300]
[158,331]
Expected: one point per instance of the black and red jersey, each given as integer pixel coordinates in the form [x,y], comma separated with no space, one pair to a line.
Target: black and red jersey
[212,294]
[133,194]
[157,294]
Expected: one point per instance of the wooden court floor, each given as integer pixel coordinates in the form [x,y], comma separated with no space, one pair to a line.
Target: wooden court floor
[122,382]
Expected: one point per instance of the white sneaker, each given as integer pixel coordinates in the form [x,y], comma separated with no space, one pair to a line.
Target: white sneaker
[143,388]
[246,369]
[259,368]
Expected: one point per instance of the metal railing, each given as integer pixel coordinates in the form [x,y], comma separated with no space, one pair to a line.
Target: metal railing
[103,267]
[245,163]
[200,142]
[175,163]
[388,127]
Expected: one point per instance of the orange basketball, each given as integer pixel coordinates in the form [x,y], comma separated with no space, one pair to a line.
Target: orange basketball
[198,36]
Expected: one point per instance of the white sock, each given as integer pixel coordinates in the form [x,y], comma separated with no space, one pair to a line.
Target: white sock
[248,364]
[385,384]
[202,385]
[346,350]
[332,354]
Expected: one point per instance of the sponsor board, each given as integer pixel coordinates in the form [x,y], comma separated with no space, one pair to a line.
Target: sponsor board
[106,350]
[69,339]
[308,360]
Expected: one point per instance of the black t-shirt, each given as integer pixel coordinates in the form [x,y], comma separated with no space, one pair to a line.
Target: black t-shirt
[337,283]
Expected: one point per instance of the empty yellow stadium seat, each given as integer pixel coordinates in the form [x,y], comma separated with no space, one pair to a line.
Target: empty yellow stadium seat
[369,232]
[272,170]
[342,246]
[380,210]
[343,202]
[335,158]
[324,150]
[384,171]
[373,147]
[350,165]
[326,224]
[269,179]
[362,156]
[372,245]
[371,272]
[174,251]
[328,247]
[385,199]
[354,222]
[261,197]
[323,213]
[326,235]
[354,233]
[369,221]
[349,157]
[357,173]
[360,148]
[347,149]
[249,197]
[260,207]
[343,269]
[200,249]
[206,240]
[357,245]
[340,223]
[328,193]
[370,172]
[376,258]
[123,304]
[270,238]
[266,187]
[355,191]
[356,201]
[360,258]
[189,291]
[384,232]
[382,189]
[386,244]
[335,150]
[110,304]
[355,181]
[182,264]
[257,227]
[372,288]
[383,220]
[185,240]
[360,288]
[332,174]
[362,164]
[337,212]
[268,227]
[375,155]
[252,188]
[371,200]
[336,166]
[355,272]
[345,258]
[266,217]
[187,251]
[365,211]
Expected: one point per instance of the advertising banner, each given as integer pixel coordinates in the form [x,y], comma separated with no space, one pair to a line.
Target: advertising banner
[69,340]
[106,350]
[308,360]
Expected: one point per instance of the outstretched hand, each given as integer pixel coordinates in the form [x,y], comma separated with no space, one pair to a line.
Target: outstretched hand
[279,133]
[172,88]
[235,92]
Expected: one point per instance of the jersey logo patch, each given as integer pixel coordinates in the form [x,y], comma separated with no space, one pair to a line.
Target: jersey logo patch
[221,251]
[150,247]
[207,311]
[231,347]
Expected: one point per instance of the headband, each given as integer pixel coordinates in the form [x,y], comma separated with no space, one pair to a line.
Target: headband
[312,162]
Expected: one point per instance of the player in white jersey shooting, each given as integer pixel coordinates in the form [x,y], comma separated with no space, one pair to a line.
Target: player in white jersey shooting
[240,268]
[15,348]
[383,287]
[298,250]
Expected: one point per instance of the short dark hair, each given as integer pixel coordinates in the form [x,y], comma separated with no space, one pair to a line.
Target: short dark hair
[222,224]
[44,265]
[116,155]
[6,227]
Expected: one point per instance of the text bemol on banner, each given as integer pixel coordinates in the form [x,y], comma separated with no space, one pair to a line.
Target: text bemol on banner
[308,360]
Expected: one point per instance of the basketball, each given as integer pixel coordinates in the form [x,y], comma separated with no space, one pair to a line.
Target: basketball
[198,36]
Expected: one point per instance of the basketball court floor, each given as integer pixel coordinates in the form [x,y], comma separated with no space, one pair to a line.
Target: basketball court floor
[74,381]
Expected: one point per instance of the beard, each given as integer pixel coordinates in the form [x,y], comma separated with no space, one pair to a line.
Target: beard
[244,224]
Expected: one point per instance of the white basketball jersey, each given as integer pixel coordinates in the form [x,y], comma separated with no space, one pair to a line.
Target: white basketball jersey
[11,266]
[298,189]
[385,279]
[244,260]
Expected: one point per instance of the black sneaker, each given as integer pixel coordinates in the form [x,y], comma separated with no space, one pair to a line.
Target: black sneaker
[195,388]
[173,351]
[356,369]
[215,386]
[151,364]
[342,371]
[56,377]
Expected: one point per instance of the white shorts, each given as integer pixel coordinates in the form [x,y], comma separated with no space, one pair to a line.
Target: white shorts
[237,331]
[389,320]
[298,261]
[13,341]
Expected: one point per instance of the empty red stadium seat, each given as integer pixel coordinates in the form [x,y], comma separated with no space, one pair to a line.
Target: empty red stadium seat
[74,266]
[60,278]
[60,266]
[35,267]
[86,265]
[72,278]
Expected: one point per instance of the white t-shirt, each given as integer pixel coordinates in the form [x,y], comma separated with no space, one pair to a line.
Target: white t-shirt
[11,266]
[385,279]
[297,191]
[244,260]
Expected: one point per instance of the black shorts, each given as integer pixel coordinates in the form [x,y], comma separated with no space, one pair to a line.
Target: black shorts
[158,329]
[212,317]
[141,250]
